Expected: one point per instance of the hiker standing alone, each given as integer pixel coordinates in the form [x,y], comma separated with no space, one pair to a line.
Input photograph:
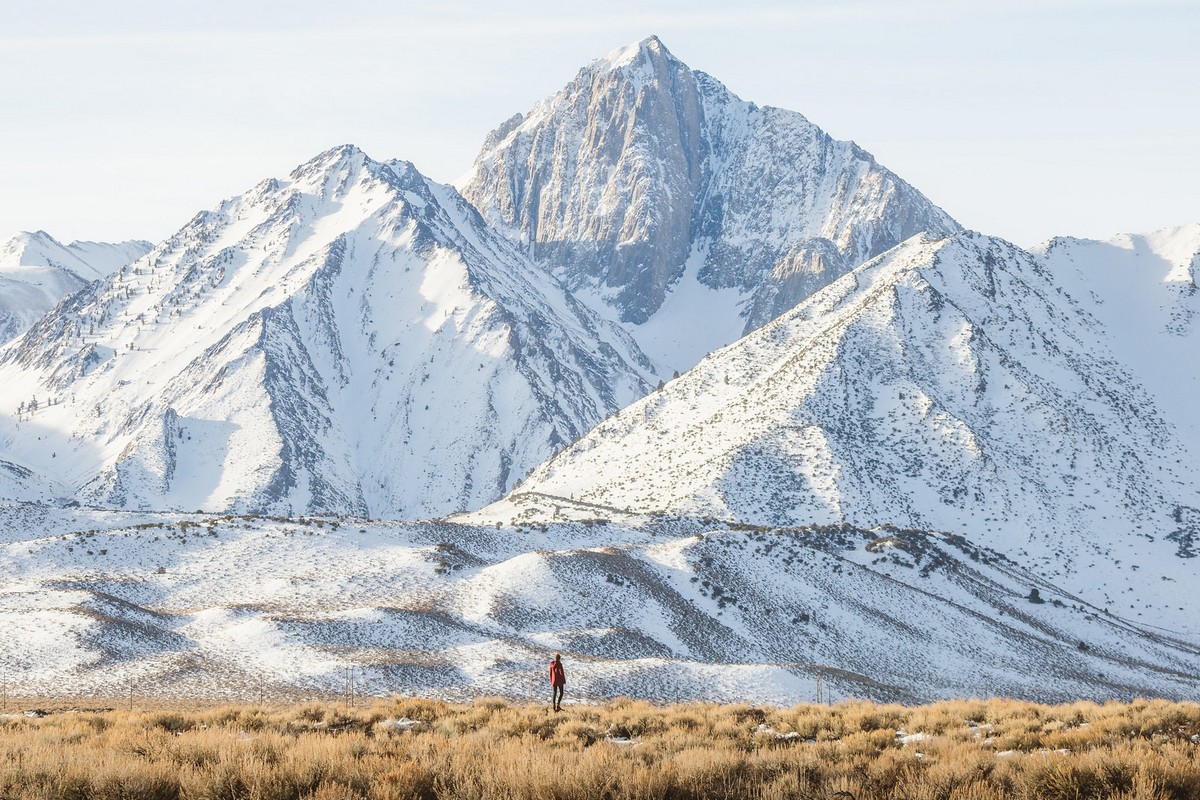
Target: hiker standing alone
[558,679]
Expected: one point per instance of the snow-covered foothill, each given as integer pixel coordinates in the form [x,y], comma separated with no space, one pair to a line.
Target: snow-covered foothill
[665,608]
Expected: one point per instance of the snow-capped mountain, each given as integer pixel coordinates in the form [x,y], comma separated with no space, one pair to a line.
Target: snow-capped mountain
[937,465]
[665,200]
[351,339]
[37,272]
[950,385]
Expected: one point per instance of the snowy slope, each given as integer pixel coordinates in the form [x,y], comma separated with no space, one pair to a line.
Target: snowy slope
[349,339]
[37,272]
[1143,290]
[643,179]
[661,608]
[950,385]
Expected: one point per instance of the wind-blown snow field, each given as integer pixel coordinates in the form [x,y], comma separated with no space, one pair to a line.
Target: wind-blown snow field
[654,607]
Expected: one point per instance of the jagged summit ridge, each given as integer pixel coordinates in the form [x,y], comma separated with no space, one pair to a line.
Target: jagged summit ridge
[357,340]
[643,179]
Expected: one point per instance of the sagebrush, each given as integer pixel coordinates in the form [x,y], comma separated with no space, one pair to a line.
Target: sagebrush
[406,748]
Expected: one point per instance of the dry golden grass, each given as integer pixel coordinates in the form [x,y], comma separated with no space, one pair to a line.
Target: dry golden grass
[970,750]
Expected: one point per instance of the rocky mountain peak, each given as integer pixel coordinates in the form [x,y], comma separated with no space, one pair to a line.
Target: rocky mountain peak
[333,171]
[338,156]
[643,179]
[645,59]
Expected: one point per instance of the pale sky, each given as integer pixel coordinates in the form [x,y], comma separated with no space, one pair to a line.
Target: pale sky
[122,119]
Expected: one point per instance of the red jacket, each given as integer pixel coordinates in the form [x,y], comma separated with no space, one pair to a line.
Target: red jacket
[557,676]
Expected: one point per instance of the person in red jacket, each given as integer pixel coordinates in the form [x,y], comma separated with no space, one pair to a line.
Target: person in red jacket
[558,679]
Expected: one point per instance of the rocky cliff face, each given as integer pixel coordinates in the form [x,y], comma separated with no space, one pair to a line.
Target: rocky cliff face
[349,339]
[643,178]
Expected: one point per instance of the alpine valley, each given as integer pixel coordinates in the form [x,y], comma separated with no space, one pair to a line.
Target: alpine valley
[354,426]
